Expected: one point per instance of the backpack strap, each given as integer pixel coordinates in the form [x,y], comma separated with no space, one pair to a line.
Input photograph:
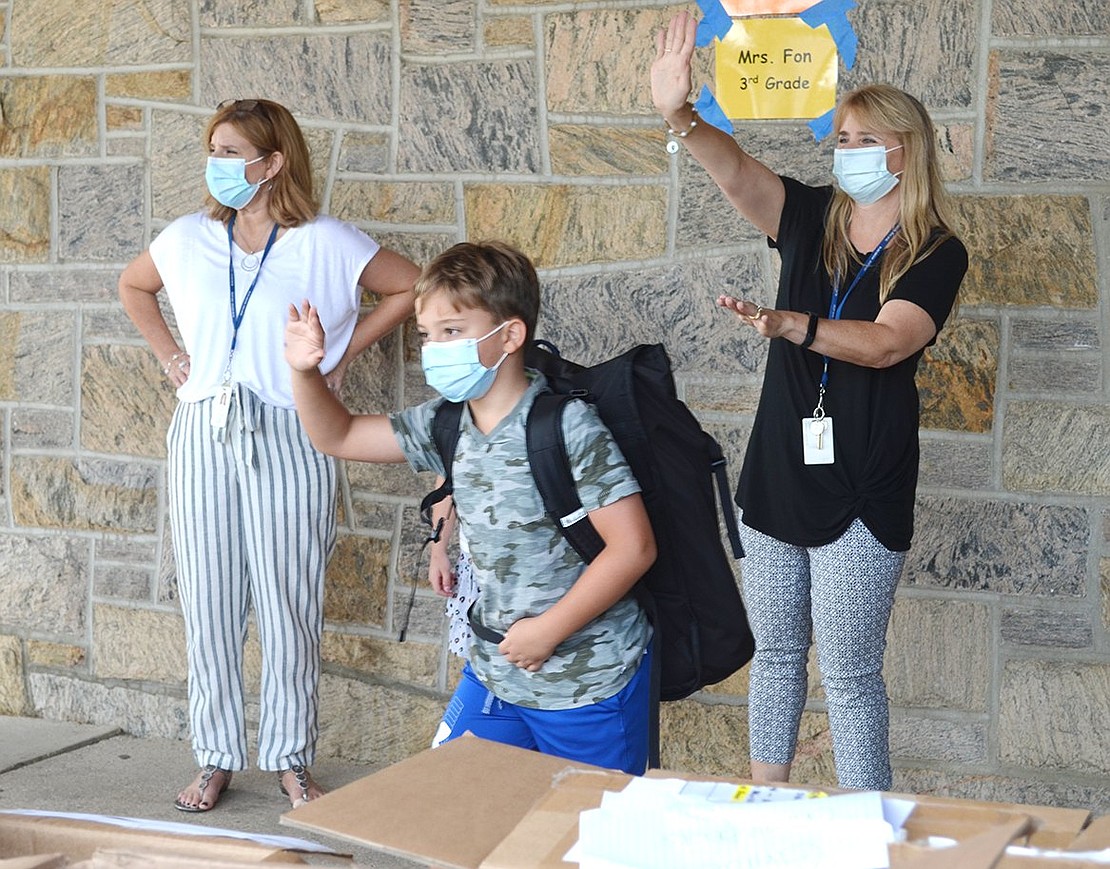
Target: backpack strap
[445,433]
[547,454]
[717,465]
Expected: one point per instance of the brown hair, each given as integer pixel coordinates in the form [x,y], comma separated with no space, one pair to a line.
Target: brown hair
[270,127]
[489,276]
[924,219]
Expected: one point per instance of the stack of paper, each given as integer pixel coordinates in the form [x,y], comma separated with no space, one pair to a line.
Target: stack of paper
[671,823]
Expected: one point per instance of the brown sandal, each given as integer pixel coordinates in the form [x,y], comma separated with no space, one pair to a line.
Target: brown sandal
[204,804]
[305,782]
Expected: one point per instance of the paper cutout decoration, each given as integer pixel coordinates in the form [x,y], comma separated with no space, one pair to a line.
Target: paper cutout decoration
[776,68]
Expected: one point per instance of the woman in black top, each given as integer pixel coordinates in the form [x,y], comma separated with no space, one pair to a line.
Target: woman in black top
[870,273]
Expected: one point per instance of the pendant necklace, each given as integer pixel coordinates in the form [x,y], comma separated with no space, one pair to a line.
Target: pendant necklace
[250,262]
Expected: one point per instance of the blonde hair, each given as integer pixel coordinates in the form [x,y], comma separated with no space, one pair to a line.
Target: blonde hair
[270,127]
[925,209]
[488,276]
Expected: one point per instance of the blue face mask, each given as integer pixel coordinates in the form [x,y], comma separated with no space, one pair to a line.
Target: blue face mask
[227,181]
[453,369]
[862,172]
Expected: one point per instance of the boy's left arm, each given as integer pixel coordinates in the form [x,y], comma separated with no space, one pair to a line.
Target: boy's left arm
[629,551]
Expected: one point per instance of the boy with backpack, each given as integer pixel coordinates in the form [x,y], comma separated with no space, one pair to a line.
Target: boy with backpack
[569,674]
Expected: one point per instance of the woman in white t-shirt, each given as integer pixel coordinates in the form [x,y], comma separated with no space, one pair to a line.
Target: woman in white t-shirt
[252,504]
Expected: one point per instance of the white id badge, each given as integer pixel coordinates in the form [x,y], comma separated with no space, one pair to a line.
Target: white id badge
[817,440]
[221,406]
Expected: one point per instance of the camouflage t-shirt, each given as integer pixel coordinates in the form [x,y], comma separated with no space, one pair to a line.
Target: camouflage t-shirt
[521,562]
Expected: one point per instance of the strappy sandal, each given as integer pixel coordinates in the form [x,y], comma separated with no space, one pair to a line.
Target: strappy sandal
[304,782]
[204,805]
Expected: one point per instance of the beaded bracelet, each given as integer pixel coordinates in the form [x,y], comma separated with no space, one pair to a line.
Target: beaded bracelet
[173,359]
[682,134]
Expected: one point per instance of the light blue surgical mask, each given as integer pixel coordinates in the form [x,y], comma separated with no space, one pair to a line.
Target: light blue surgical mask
[453,369]
[227,180]
[862,172]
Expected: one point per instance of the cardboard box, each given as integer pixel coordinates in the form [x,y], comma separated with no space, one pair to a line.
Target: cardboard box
[474,804]
[29,836]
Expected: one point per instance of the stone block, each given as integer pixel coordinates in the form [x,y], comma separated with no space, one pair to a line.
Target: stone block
[340,76]
[469,117]
[167,84]
[508,31]
[446,27]
[1075,375]
[733,395]
[394,202]
[358,574]
[1049,716]
[999,546]
[420,247]
[591,317]
[938,739]
[43,429]
[55,655]
[373,723]
[126,401]
[45,286]
[251,13]
[960,464]
[373,515]
[956,381]
[69,698]
[612,51]
[956,151]
[1045,18]
[566,225]
[583,149]
[14,699]
[45,582]
[146,645]
[1031,94]
[352,11]
[84,494]
[122,582]
[100,212]
[364,152]
[1038,433]
[48,116]
[120,549]
[1061,337]
[123,118]
[1054,236]
[25,223]
[383,659]
[1026,788]
[36,360]
[1061,629]
[177,159]
[939,654]
[110,33]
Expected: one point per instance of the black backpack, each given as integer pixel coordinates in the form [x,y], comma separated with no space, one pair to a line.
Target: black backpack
[701,632]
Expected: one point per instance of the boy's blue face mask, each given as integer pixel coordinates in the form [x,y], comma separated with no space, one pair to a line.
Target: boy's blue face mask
[453,369]
[227,181]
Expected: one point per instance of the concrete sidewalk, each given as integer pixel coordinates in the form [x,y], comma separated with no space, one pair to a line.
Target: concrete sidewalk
[63,767]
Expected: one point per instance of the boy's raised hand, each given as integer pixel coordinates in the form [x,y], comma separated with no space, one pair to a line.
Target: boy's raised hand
[304,338]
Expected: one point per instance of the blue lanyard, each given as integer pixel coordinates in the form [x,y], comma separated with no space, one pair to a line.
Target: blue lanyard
[237,316]
[836,304]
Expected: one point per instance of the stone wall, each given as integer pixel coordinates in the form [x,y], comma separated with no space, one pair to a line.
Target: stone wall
[531,120]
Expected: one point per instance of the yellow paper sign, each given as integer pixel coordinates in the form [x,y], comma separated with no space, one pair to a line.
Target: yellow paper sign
[776,68]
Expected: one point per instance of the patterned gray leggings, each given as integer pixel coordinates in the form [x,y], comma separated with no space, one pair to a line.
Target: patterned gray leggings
[844,591]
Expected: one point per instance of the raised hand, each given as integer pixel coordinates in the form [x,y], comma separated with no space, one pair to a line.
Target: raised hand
[304,338]
[671,78]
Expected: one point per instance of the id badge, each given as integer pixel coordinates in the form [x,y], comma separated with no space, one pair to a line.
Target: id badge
[221,406]
[817,440]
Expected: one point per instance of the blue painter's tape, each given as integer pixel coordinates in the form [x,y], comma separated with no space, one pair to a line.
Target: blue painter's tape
[715,23]
[709,110]
[834,13]
[822,126]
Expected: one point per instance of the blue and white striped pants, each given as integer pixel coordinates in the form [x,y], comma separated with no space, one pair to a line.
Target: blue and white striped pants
[253,517]
[842,592]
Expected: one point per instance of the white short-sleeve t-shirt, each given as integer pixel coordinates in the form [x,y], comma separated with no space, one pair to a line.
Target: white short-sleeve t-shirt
[321,261]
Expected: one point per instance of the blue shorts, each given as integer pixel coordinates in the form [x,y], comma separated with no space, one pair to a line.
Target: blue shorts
[612,733]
